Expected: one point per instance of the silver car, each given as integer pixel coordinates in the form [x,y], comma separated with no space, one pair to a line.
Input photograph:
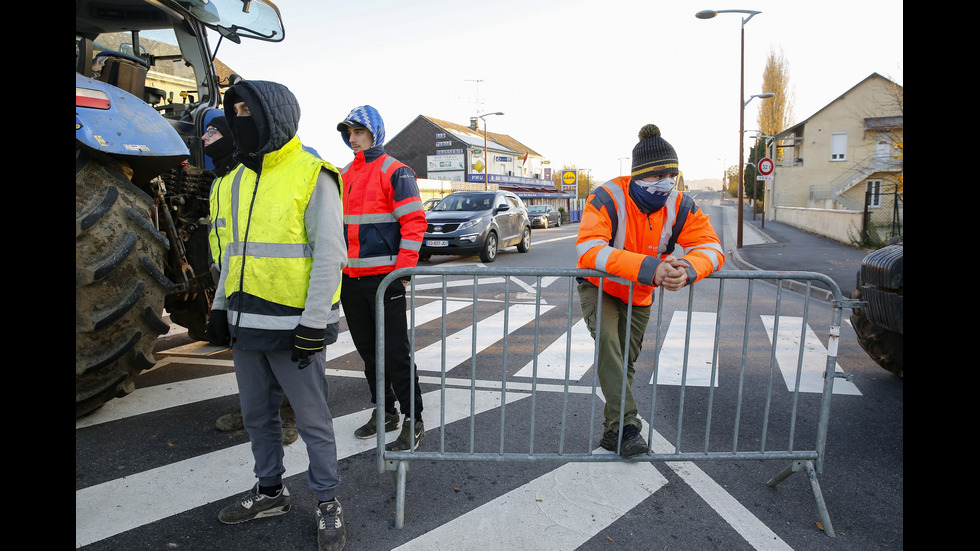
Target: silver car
[543,216]
[470,222]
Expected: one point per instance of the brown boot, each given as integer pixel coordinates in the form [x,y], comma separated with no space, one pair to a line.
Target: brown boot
[289,432]
[230,422]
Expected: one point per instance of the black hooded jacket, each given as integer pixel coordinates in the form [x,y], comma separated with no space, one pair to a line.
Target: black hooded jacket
[275,111]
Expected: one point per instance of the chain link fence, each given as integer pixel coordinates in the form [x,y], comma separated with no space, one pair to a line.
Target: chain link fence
[883,217]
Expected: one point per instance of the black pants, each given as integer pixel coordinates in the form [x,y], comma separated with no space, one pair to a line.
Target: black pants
[358,295]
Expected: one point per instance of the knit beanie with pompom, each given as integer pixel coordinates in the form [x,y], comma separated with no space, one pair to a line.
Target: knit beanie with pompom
[653,156]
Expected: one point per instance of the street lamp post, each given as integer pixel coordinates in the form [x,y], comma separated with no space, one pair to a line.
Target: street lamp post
[708,14]
[486,164]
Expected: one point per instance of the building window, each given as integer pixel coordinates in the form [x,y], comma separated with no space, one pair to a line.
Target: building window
[838,146]
[874,193]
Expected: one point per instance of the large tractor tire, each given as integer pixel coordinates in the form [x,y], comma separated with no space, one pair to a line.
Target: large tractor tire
[880,326]
[119,282]
[885,347]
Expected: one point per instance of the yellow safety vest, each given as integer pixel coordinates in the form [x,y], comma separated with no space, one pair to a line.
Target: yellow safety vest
[259,219]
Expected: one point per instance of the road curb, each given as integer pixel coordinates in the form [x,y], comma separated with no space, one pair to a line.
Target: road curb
[742,264]
[793,285]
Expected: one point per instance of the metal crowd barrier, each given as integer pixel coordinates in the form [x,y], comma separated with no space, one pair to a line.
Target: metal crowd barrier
[807,458]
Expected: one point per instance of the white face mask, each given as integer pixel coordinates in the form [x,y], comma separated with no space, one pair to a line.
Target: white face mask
[662,186]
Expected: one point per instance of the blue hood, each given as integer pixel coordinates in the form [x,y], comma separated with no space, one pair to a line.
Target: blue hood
[367,117]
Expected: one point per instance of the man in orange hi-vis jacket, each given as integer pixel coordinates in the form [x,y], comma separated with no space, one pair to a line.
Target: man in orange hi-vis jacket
[629,228]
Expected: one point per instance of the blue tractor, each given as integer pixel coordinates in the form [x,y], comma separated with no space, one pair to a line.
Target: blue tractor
[145,82]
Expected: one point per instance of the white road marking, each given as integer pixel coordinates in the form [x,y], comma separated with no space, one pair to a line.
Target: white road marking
[566,507]
[558,511]
[549,511]
[459,345]
[753,530]
[551,362]
[814,357]
[110,508]
[701,347]
[423,314]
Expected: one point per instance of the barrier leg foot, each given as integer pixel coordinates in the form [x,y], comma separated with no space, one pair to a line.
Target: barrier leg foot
[781,476]
[400,475]
[811,473]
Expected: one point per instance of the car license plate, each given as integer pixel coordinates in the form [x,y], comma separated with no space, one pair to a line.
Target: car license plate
[437,243]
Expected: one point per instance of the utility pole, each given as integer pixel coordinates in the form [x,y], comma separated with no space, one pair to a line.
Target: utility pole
[477,81]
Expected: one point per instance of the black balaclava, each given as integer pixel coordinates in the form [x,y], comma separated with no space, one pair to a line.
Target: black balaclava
[222,149]
[248,134]
[251,132]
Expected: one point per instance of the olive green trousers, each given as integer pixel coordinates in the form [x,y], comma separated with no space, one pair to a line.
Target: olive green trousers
[611,344]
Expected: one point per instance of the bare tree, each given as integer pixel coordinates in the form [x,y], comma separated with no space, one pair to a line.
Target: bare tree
[897,102]
[775,114]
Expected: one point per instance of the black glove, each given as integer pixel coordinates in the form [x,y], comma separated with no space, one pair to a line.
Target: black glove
[306,342]
[216,329]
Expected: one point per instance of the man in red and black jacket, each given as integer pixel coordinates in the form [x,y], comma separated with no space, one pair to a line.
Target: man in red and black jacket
[384,225]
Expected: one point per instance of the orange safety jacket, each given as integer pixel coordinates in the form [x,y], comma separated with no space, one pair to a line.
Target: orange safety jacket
[384,223]
[616,237]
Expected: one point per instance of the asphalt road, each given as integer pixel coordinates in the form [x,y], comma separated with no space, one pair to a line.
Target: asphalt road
[152,472]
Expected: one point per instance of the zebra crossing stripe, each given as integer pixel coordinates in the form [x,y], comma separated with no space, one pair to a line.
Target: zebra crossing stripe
[815,354]
[568,506]
[459,345]
[423,314]
[558,511]
[118,505]
[551,362]
[750,527]
[700,348]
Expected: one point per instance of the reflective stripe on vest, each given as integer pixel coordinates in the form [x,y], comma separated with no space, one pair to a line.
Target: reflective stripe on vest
[219,235]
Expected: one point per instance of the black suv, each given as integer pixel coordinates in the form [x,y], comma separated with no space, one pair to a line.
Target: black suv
[468,222]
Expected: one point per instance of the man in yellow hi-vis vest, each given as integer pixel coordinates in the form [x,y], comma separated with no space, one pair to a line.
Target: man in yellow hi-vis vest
[279,293]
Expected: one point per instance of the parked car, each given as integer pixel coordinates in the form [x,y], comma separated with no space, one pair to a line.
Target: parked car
[544,216]
[470,222]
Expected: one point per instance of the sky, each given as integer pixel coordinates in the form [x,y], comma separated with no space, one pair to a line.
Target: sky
[575,79]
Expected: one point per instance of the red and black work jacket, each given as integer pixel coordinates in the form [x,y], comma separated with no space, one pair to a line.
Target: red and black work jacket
[384,223]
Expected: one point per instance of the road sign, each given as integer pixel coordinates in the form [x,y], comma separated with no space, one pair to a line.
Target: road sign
[766,166]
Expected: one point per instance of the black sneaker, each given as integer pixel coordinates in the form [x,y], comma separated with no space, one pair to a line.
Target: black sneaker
[255,504]
[609,440]
[370,429]
[404,441]
[633,443]
[331,532]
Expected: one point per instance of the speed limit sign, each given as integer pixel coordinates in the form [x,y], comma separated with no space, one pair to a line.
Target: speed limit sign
[766,166]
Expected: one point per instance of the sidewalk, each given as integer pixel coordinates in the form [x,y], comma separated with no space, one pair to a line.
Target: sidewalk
[781,247]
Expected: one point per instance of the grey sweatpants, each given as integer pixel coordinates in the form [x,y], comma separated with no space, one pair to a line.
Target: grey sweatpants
[263,376]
